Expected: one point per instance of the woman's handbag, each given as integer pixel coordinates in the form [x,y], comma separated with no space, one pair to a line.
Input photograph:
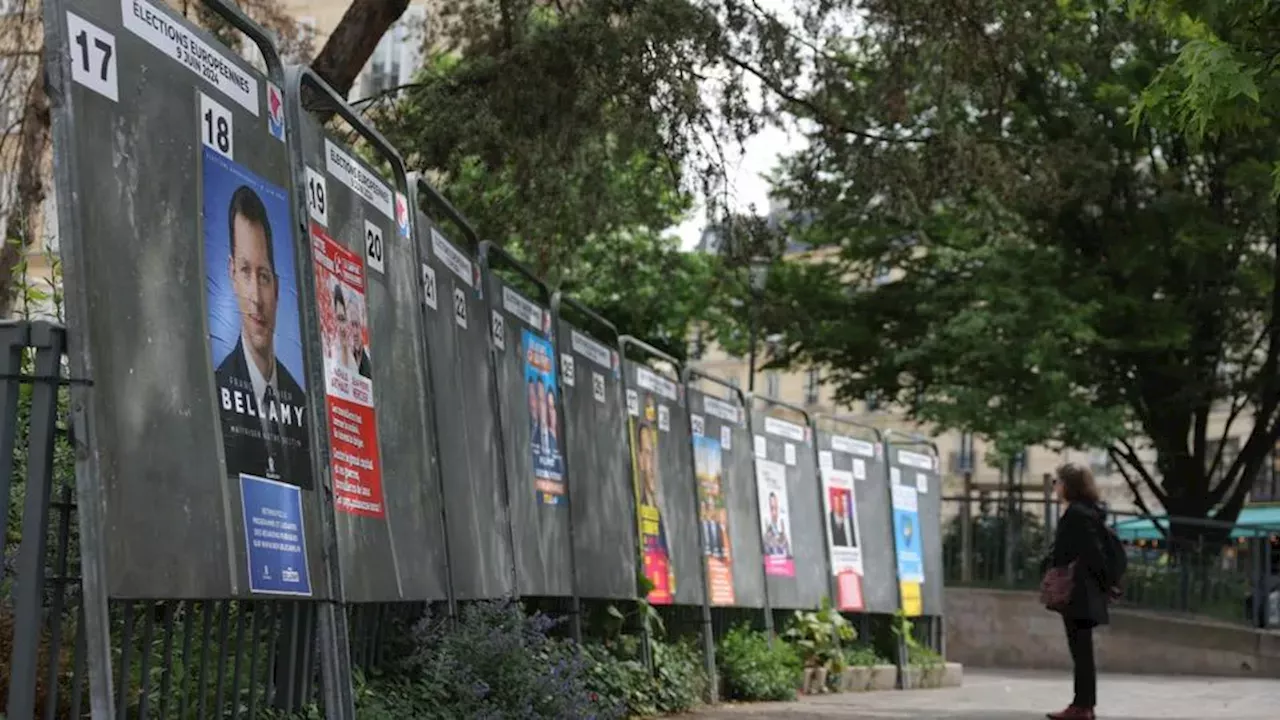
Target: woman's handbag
[1057,585]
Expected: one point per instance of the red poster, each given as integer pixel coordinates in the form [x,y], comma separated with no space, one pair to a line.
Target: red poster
[348,376]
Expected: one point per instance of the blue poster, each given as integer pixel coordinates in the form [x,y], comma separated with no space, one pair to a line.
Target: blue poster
[906,534]
[544,428]
[275,542]
[254,336]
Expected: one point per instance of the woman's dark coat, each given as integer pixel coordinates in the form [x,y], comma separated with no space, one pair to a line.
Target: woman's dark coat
[1079,538]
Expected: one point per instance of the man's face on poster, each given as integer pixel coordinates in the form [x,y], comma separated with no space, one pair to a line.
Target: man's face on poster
[773,508]
[838,502]
[646,460]
[256,286]
[340,317]
[533,402]
[551,412]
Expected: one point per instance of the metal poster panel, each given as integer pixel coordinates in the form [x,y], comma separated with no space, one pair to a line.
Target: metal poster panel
[914,476]
[662,468]
[595,442]
[795,557]
[528,380]
[471,461]
[859,467]
[367,299]
[182,273]
[727,501]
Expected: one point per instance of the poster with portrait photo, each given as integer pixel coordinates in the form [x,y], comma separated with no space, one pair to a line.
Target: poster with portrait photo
[348,377]
[646,474]
[843,537]
[542,390]
[713,518]
[771,484]
[254,337]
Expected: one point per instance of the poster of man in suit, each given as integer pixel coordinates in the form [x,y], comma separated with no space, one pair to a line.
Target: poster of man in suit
[843,537]
[254,335]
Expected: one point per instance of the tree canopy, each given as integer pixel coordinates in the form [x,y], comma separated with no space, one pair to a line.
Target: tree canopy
[1062,270]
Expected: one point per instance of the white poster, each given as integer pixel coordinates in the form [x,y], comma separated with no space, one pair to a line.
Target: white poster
[771,484]
[842,521]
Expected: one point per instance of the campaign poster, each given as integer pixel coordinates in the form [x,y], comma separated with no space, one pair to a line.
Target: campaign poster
[713,516]
[348,377]
[254,338]
[544,428]
[771,484]
[275,539]
[843,537]
[906,534]
[656,553]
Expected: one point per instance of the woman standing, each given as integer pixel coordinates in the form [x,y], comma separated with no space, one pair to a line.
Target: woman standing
[1078,554]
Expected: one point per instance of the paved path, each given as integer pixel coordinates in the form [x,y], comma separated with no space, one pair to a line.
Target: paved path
[1018,695]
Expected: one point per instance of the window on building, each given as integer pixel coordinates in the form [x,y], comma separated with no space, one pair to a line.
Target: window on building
[812,384]
[398,54]
[1100,463]
[772,384]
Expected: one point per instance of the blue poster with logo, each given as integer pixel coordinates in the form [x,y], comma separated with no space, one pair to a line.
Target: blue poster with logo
[275,541]
[906,534]
[543,395]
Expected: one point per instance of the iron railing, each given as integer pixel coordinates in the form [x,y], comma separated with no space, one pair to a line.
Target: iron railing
[1176,564]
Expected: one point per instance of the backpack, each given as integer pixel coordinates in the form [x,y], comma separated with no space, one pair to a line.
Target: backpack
[1117,560]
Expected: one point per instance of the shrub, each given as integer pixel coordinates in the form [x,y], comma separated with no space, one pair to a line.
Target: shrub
[620,682]
[754,671]
[492,663]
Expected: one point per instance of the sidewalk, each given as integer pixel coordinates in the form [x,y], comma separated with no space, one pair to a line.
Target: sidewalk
[1020,695]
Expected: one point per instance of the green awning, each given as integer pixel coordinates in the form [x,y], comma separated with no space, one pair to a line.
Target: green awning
[1254,521]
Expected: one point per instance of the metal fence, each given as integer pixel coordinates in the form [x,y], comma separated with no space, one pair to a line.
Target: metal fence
[299,401]
[1184,565]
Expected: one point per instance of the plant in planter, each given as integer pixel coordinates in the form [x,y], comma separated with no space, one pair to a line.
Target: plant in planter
[859,662]
[924,666]
[817,635]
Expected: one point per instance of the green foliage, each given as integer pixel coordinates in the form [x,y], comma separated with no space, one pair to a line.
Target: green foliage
[819,635]
[918,654]
[1056,276]
[862,655]
[493,662]
[752,670]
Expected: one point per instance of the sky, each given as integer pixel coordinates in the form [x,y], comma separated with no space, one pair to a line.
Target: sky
[746,172]
[749,164]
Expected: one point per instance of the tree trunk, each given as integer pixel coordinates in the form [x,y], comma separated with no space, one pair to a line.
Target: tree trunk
[352,43]
[33,144]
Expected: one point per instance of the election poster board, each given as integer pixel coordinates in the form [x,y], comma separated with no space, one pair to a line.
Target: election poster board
[348,371]
[771,484]
[713,515]
[844,537]
[654,541]
[542,391]
[169,147]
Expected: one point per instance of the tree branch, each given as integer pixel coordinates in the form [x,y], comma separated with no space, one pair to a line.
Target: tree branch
[1133,487]
[1130,456]
[822,115]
